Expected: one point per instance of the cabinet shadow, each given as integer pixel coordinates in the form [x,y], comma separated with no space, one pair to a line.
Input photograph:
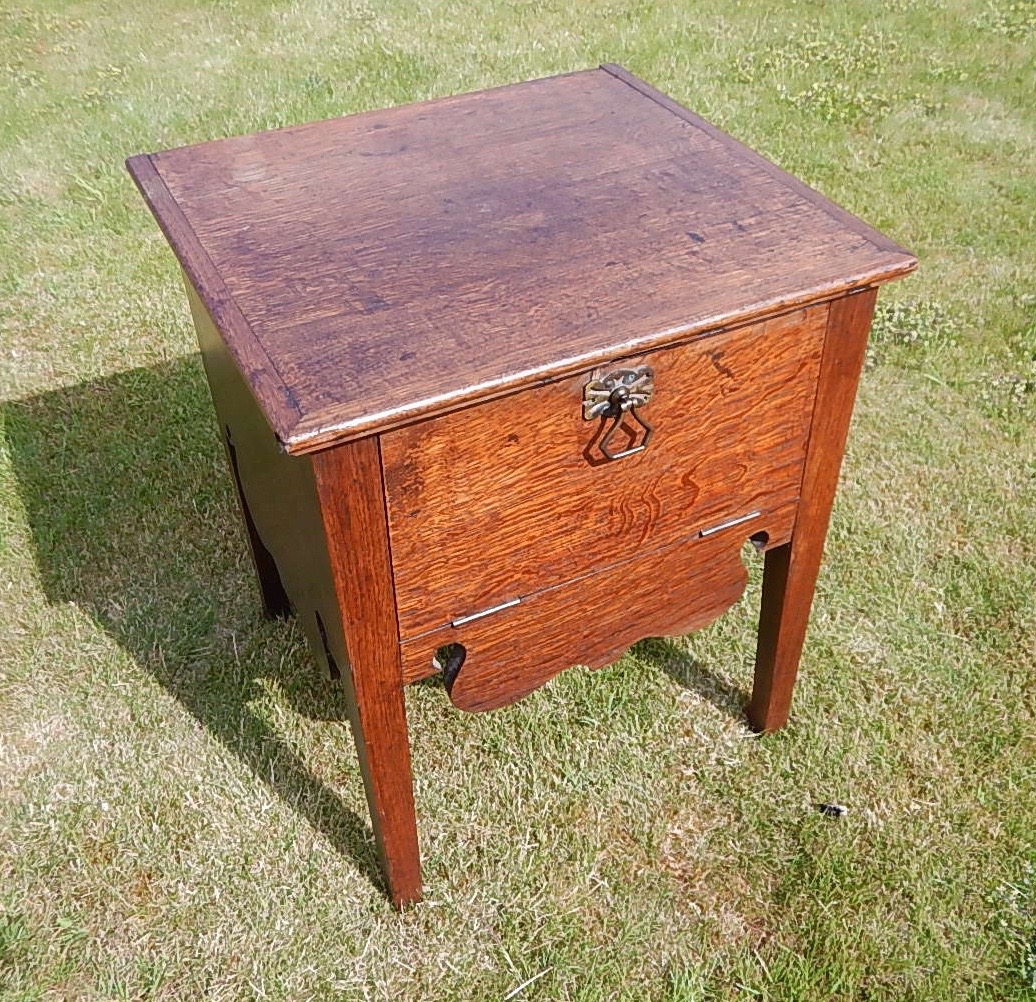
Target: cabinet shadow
[133,519]
[687,671]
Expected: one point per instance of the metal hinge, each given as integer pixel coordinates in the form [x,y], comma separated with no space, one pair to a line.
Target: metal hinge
[729,523]
[485,612]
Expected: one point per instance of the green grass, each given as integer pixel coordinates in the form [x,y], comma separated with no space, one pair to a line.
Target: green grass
[181,814]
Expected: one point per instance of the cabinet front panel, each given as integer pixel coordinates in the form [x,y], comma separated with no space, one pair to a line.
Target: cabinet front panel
[506,498]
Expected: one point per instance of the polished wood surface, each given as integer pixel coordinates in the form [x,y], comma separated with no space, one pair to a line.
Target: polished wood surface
[376,268]
[500,500]
[835,211]
[592,620]
[790,571]
[276,399]
[349,485]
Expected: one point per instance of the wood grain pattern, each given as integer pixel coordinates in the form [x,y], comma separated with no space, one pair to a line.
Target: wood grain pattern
[791,570]
[371,260]
[511,496]
[847,219]
[349,486]
[593,620]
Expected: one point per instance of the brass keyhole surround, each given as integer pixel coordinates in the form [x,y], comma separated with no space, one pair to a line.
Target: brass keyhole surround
[620,392]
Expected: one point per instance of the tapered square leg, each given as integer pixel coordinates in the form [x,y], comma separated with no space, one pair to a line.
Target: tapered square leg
[790,571]
[348,482]
[319,540]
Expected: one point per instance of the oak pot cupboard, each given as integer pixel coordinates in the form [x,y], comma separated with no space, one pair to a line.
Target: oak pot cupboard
[506,380]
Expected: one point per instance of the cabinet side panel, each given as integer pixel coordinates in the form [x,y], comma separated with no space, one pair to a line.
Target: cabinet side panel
[278,499]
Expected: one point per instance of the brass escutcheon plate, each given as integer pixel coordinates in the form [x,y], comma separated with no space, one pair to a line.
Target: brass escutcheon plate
[598,394]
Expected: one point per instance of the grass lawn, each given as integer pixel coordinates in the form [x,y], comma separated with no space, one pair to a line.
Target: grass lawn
[181,813]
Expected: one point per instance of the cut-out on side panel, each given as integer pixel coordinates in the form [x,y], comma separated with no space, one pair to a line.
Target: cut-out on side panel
[591,620]
[276,603]
[449,659]
[760,540]
[332,665]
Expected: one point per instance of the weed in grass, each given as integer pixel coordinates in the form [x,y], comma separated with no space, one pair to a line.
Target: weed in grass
[837,101]
[1015,20]
[815,51]
[833,67]
[1009,395]
[918,325]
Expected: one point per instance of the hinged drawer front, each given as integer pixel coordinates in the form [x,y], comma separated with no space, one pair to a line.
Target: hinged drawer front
[515,495]
[492,660]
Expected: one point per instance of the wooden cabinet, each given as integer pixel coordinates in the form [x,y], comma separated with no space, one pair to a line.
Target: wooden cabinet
[506,380]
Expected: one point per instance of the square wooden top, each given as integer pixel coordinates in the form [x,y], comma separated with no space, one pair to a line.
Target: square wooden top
[372,269]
